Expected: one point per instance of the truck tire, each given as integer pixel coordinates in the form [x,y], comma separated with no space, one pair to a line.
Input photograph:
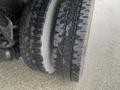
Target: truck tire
[70,37]
[31,32]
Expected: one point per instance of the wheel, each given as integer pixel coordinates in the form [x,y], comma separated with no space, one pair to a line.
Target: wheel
[35,35]
[70,37]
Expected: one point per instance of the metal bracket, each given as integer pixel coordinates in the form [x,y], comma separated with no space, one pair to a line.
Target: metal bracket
[7,32]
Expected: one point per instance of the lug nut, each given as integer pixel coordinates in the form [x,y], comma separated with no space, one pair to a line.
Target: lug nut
[7,54]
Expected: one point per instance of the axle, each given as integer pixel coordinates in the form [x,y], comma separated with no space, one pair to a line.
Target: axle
[10,13]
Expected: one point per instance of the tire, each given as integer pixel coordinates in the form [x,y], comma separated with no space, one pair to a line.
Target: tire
[70,37]
[31,34]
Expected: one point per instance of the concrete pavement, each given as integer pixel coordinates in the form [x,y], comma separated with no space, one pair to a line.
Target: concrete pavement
[102,64]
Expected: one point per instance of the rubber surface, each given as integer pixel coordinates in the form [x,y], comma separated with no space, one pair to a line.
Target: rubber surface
[31,32]
[70,32]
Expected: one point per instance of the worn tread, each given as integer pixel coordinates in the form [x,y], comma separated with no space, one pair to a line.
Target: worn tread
[31,32]
[69,37]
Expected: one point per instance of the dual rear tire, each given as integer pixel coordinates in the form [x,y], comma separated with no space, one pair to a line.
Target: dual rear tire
[54,35]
